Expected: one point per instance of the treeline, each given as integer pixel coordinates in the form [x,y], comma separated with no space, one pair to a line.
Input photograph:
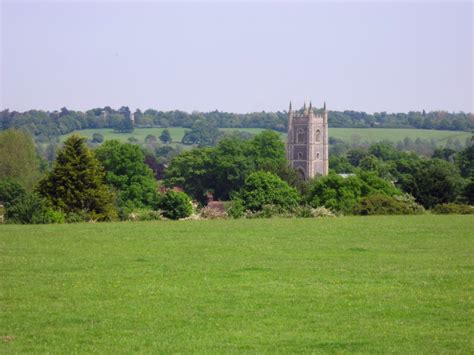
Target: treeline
[116,181]
[44,124]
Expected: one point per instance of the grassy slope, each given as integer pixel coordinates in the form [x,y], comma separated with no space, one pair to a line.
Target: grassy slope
[363,134]
[378,284]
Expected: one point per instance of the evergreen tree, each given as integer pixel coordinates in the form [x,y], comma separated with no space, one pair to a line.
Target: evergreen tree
[165,136]
[76,183]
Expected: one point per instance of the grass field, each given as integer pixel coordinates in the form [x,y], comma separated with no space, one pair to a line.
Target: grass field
[348,134]
[349,284]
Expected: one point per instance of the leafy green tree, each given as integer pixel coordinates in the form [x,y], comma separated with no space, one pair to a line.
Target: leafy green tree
[354,156]
[337,193]
[18,159]
[369,163]
[9,191]
[384,151]
[432,182]
[202,133]
[268,151]
[97,138]
[264,188]
[127,172]
[465,161]
[76,183]
[165,136]
[192,171]
[175,205]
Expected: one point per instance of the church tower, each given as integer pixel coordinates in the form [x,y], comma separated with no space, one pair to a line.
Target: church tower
[307,146]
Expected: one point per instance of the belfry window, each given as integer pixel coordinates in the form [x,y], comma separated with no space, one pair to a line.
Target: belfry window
[318,135]
[300,136]
[300,156]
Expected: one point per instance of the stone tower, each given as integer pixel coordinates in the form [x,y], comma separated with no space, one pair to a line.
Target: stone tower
[307,146]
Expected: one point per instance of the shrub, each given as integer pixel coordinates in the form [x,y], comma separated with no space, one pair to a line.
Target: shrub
[175,205]
[236,209]
[32,209]
[453,208]
[213,213]
[9,191]
[144,214]
[380,204]
[264,188]
[309,212]
[97,138]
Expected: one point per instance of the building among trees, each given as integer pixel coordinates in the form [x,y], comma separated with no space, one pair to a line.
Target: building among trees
[307,146]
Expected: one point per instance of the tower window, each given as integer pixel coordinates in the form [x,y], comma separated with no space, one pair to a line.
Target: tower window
[318,135]
[300,136]
[300,156]
[317,155]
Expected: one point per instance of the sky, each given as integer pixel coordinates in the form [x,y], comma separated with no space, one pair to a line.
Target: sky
[237,56]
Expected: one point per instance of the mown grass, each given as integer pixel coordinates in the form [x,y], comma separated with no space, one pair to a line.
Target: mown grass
[370,135]
[350,284]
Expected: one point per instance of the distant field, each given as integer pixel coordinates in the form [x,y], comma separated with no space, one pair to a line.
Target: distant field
[398,284]
[348,134]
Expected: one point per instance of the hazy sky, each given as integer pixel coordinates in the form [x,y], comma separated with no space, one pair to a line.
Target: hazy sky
[239,56]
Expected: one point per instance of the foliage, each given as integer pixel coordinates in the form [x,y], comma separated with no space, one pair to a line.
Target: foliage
[48,124]
[341,194]
[264,188]
[202,133]
[175,205]
[76,183]
[144,214]
[165,136]
[127,172]
[223,169]
[32,209]
[453,208]
[9,191]
[380,204]
[465,161]
[432,182]
[97,138]
[18,161]
[335,192]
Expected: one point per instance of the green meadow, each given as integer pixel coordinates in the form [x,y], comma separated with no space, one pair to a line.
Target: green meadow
[399,284]
[370,135]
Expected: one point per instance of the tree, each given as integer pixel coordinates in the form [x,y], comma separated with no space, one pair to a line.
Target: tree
[97,138]
[175,205]
[127,172]
[432,182]
[336,192]
[18,159]
[165,136]
[264,188]
[150,138]
[465,161]
[9,191]
[76,183]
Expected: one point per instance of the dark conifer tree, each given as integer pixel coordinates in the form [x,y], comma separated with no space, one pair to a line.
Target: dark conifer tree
[76,183]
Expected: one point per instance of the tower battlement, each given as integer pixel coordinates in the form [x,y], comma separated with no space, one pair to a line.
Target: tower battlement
[307,146]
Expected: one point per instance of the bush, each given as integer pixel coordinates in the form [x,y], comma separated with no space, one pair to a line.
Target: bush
[263,188]
[97,138]
[380,204]
[213,213]
[175,205]
[9,191]
[32,209]
[144,214]
[309,212]
[453,208]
